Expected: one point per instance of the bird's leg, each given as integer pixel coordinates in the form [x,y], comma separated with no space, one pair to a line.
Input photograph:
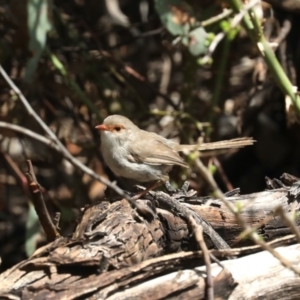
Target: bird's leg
[149,188]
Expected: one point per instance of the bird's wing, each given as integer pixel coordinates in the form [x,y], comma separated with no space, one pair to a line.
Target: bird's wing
[152,150]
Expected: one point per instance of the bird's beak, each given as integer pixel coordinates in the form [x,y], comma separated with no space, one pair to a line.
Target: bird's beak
[102,127]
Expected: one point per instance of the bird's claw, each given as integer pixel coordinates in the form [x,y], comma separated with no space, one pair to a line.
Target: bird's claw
[183,192]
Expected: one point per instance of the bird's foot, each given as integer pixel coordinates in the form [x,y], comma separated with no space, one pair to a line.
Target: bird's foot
[183,192]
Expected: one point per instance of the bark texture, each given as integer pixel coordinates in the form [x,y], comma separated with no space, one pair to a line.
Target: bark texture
[116,252]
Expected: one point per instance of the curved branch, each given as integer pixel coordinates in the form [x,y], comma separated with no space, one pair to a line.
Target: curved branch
[59,144]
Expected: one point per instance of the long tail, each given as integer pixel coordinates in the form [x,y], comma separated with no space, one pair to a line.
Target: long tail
[234,143]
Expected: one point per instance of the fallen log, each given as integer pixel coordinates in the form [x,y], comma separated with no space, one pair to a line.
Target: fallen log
[116,249]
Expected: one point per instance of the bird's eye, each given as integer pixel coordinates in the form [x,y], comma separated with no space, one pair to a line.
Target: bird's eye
[118,128]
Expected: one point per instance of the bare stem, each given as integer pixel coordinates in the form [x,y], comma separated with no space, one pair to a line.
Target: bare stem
[59,144]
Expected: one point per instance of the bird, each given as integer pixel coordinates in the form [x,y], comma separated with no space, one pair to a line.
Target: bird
[144,156]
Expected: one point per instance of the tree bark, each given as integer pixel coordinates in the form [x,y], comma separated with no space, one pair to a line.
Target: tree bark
[116,252]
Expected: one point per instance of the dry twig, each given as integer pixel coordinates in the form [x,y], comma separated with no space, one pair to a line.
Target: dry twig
[62,148]
[40,206]
[198,232]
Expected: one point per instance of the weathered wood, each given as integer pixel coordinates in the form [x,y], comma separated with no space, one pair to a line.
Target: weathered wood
[256,276]
[255,208]
[115,247]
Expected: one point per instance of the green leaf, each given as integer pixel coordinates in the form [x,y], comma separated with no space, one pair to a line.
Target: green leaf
[225,25]
[179,19]
[212,169]
[177,16]
[38,26]
[197,41]
[32,230]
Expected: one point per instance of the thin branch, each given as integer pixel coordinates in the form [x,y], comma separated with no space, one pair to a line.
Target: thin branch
[30,133]
[284,31]
[236,212]
[239,17]
[40,206]
[224,14]
[61,147]
[198,232]
[17,171]
[212,47]
[220,36]
[254,29]
[224,177]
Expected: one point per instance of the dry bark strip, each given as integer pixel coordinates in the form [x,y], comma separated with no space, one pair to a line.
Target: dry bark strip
[115,249]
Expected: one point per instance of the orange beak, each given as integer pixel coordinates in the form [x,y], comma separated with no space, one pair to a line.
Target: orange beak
[102,127]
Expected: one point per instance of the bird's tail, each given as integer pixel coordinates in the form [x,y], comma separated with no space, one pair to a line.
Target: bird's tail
[234,143]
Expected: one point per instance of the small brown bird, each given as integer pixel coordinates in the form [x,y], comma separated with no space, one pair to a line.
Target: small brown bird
[146,156]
